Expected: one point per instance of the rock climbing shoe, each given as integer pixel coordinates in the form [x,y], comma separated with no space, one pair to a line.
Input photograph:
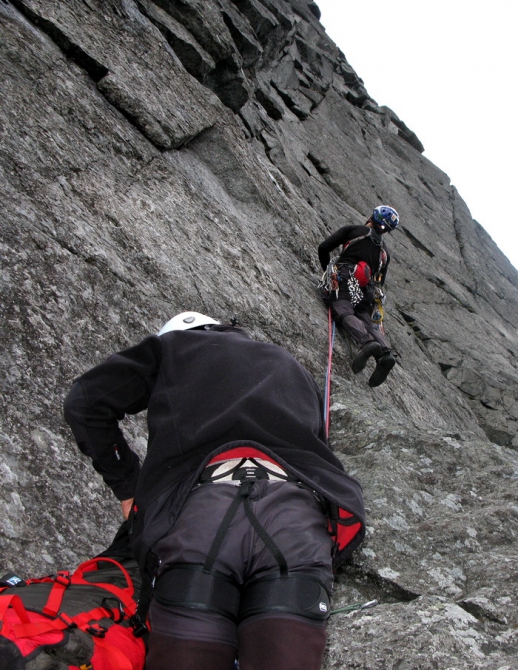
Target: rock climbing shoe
[383,367]
[372,348]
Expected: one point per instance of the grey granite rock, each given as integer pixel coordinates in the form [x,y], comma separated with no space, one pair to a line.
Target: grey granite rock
[166,155]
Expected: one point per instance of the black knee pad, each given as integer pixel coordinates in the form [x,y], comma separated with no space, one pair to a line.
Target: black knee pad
[295,593]
[188,585]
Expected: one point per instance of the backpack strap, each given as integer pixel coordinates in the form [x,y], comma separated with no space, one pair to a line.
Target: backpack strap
[125,595]
[61,621]
[17,604]
[28,628]
[61,582]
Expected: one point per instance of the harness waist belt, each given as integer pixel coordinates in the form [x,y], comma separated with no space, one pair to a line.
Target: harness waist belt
[242,464]
[236,470]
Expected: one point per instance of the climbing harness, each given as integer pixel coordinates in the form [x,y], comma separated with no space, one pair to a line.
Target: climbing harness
[202,587]
[330,281]
[234,469]
[327,393]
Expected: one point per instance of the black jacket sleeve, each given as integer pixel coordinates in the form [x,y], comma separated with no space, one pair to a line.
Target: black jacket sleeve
[101,398]
[341,236]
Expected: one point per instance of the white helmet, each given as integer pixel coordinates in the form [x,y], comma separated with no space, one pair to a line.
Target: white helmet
[186,321]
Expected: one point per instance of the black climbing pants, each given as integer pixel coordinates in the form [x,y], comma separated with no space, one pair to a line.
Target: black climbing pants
[356,321]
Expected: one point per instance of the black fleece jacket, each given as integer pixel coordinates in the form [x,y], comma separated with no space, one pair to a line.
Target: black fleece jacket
[205,391]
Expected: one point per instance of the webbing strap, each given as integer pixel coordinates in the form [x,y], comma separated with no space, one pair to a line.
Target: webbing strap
[188,585]
[63,580]
[17,604]
[243,471]
[243,490]
[296,593]
[82,621]
[53,604]
[269,543]
[243,493]
[286,477]
[125,595]
[357,239]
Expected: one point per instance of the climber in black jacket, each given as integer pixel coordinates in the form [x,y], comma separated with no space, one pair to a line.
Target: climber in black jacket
[240,510]
[363,259]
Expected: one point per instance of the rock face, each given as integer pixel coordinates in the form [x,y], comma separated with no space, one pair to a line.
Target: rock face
[163,155]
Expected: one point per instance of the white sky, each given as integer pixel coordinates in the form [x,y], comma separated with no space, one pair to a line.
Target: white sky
[449,70]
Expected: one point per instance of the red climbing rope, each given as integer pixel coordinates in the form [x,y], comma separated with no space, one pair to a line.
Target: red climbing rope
[327,395]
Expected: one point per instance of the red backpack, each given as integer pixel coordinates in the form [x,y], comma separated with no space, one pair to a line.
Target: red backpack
[78,621]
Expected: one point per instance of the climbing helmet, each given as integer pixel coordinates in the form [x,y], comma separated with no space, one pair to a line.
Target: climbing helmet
[386,217]
[187,321]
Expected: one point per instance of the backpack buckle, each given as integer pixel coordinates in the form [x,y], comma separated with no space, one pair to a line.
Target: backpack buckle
[63,578]
[96,630]
[139,627]
[66,619]
[115,612]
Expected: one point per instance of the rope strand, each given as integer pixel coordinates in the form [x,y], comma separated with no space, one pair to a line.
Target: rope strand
[327,394]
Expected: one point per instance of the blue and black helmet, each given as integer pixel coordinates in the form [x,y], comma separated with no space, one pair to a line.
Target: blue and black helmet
[386,217]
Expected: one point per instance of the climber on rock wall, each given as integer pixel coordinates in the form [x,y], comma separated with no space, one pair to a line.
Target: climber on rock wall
[240,512]
[359,274]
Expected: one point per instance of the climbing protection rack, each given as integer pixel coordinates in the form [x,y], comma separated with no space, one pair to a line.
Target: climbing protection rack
[330,282]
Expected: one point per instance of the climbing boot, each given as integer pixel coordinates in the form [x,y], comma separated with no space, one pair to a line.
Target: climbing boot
[383,366]
[372,348]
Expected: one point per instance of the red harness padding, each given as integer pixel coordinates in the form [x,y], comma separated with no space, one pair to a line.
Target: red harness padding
[343,526]
[115,646]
